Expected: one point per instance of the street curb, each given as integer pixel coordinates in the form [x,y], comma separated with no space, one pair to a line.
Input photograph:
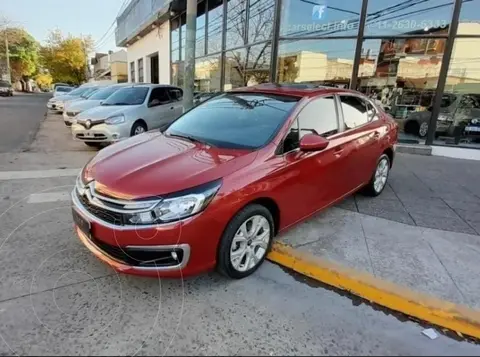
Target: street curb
[395,297]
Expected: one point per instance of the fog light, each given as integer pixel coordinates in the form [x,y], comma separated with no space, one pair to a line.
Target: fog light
[174,256]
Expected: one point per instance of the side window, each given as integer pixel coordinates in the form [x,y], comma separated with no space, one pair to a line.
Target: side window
[371,111]
[355,112]
[176,94]
[158,96]
[319,117]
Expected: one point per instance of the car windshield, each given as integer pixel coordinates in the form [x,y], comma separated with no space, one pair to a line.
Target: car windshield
[104,93]
[63,89]
[88,92]
[79,91]
[127,96]
[235,120]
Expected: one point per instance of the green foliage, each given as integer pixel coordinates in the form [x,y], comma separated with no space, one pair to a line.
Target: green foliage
[65,57]
[23,51]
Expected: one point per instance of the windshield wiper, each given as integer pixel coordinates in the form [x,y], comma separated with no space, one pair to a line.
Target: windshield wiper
[191,138]
[121,103]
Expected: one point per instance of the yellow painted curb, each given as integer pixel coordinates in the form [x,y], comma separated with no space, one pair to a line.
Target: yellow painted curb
[395,297]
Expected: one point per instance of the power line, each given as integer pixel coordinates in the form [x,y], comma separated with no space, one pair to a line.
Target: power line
[102,39]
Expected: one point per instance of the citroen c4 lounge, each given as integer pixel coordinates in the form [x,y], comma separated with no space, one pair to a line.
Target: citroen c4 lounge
[214,188]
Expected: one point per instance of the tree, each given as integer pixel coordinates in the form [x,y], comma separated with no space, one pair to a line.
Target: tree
[23,52]
[65,57]
[251,65]
[44,80]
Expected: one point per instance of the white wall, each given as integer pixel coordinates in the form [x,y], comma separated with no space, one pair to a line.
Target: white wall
[157,40]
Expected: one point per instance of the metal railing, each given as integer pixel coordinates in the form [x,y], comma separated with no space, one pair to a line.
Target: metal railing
[136,15]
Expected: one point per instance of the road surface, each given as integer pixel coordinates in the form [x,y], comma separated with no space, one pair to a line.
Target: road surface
[20,117]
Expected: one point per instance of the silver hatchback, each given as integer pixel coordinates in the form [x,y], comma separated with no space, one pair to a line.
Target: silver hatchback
[129,111]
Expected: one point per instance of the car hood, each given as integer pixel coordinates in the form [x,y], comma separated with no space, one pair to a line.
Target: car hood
[102,112]
[153,164]
[81,105]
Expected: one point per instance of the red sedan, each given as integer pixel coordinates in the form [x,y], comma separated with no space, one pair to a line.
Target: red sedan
[214,189]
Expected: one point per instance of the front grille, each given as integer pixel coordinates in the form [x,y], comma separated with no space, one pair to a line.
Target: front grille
[71,114]
[141,257]
[95,137]
[104,214]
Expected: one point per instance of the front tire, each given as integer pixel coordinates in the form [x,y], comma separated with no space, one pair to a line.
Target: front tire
[245,242]
[138,128]
[379,178]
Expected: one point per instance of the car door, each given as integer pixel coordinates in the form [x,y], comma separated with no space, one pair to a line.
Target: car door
[361,137]
[160,108]
[314,177]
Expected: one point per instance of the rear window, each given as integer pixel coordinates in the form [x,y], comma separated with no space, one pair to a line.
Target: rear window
[64,89]
[235,120]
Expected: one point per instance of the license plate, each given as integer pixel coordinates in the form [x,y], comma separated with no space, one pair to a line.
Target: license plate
[81,222]
[472,128]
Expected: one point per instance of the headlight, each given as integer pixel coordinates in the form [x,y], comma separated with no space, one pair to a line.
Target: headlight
[475,121]
[176,208]
[117,119]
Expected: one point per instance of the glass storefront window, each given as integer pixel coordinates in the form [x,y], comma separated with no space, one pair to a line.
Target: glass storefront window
[175,52]
[260,23]
[301,18]
[200,34]
[401,75]
[321,62]
[236,23]
[215,23]
[207,74]
[183,31]
[459,120]
[403,17]
[247,66]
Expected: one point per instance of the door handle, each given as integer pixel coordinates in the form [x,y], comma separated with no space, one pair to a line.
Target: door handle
[338,150]
[172,108]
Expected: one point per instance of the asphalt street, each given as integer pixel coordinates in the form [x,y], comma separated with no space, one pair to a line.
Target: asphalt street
[20,117]
[56,298]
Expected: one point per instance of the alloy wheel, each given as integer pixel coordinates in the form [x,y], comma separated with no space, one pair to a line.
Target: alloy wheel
[381,175]
[139,130]
[422,131]
[250,243]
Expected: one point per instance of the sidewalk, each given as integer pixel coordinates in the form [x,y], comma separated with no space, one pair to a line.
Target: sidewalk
[421,233]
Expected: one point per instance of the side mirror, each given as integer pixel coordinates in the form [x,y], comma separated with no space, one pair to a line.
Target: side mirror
[313,142]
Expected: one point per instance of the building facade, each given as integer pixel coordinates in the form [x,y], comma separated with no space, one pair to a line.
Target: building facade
[418,59]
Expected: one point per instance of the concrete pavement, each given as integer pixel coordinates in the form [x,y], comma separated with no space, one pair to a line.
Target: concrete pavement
[20,118]
[56,298]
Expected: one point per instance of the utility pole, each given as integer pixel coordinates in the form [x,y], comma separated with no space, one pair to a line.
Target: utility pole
[7,57]
[189,72]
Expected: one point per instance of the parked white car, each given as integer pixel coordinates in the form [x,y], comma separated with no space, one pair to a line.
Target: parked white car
[129,111]
[57,103]
[73,108]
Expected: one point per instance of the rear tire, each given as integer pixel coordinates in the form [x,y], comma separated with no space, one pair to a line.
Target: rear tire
[245,242]
[379,177]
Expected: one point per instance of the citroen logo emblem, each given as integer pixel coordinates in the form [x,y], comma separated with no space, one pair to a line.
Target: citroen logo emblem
[88,124]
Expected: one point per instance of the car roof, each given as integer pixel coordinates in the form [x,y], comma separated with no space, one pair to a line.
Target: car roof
[294,89]
[152,85]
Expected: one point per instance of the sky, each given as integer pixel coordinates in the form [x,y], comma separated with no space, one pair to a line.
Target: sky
[87,17]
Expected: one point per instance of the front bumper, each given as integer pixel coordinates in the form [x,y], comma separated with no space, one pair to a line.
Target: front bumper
[101,133]
[55,106]
[112,244]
